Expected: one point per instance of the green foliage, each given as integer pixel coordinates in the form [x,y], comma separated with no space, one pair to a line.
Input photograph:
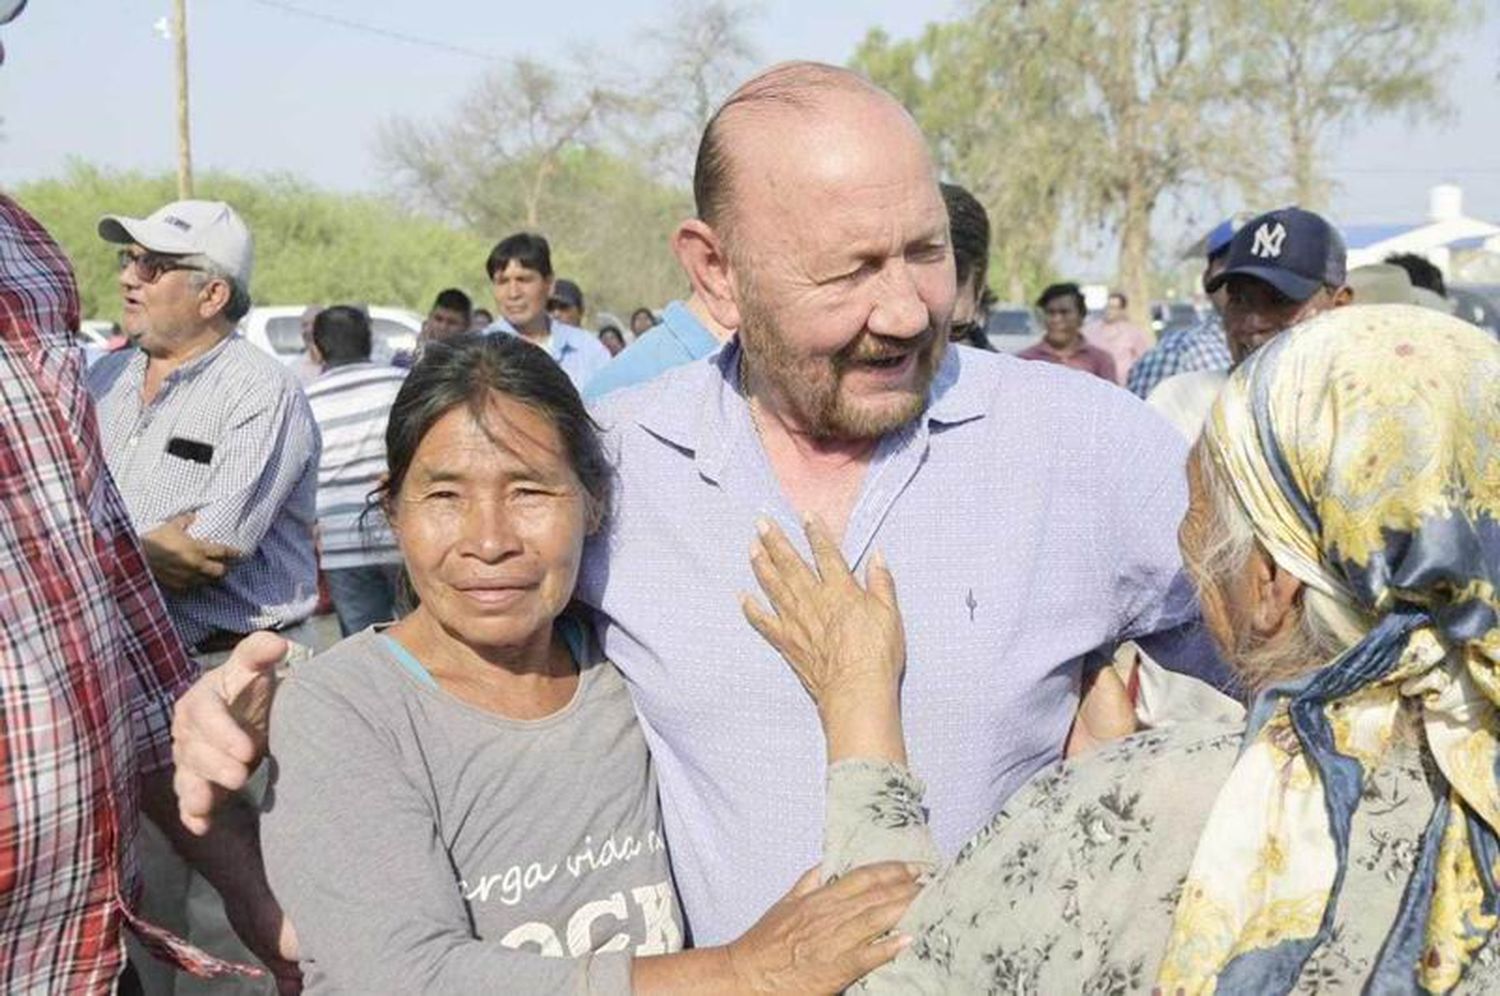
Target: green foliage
[1074,116]
[526,150]
[311,246]
[1318,67]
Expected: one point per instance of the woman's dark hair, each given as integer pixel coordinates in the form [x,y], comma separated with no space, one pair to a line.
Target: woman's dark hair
[650,315]
[467,370]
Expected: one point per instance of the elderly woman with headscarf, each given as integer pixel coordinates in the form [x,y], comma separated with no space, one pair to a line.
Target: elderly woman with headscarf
[1344,531]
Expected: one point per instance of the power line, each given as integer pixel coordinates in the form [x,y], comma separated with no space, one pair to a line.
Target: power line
[373,29]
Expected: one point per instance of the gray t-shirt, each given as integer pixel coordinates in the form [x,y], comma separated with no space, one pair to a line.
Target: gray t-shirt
[420,844]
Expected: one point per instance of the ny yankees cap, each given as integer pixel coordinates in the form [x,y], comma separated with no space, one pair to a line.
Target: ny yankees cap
[210,229]
[1293,250]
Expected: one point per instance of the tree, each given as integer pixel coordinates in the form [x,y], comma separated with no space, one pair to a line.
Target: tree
[600,170]
[506,139]
[1316,67]
[703,51]
[310,246]
[1074,116]
[1066,115]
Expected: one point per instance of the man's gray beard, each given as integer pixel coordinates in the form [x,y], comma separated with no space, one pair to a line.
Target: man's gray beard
[818,406]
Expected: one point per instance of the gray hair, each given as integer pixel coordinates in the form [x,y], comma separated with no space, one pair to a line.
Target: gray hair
[239,297]
[1326,626]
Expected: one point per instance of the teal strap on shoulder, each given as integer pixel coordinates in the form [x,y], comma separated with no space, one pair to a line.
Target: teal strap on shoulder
[571,630]
[576,638]
[409,662]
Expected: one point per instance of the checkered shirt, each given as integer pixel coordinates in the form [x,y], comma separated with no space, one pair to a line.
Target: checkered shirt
[1197,347]
[89,663]
[255,489]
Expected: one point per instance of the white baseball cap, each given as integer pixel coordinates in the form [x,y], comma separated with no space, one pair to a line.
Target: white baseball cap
[210,229]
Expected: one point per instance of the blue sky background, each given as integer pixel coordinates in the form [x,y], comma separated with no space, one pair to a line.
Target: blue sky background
[277,92]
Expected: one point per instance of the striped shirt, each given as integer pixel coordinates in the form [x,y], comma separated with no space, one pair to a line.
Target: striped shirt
[89,665]
[229,440]
[351,405]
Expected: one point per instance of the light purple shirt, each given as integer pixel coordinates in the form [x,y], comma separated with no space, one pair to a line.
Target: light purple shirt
[1029,517]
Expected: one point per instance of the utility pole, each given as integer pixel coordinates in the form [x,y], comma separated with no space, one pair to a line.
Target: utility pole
[184,139]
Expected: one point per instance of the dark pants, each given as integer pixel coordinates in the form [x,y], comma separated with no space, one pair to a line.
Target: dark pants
[363,596]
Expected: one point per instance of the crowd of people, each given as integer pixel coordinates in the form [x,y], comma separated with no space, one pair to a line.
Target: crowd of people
[804,644]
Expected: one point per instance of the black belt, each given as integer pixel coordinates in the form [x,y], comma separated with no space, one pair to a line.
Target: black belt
[217,642]
[221,640]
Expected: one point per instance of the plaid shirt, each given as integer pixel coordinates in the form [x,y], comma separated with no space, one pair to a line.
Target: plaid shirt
[1197,347]
[89,663]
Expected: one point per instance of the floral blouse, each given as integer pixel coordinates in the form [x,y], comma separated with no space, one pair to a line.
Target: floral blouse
[1071,888]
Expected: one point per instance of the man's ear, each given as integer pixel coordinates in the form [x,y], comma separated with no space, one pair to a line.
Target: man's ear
[1344,295]
[702,256]
[1277,593]
[214,298]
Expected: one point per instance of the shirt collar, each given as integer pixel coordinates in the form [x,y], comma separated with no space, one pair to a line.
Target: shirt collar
[684,326]
[707,428]
[192,368]
[564,337]
[198,364]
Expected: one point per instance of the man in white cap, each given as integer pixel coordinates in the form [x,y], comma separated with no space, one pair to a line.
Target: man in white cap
[215,452]
[210,440]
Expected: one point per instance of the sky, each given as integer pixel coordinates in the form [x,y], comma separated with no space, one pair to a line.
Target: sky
[277,92]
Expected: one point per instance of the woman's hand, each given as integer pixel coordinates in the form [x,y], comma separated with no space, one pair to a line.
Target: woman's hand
[845,641]
[1105,712]
[821,939]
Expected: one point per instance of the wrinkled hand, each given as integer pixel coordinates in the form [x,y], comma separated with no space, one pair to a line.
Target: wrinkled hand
[1105,713]
[841,638]
[220,727]
[180,562]
[820,939]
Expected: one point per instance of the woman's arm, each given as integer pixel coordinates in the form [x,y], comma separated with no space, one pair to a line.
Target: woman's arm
[817,939]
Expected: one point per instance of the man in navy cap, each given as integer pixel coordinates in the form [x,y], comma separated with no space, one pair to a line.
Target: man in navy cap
[1284,267]
[1280,269]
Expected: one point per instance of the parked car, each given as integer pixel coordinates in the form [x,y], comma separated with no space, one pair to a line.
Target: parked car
[1167,316]
[99,338]
[1478,303]
[1011,327]
[278,331]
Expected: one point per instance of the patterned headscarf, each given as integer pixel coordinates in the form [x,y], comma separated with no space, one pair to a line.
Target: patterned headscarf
[1365,449]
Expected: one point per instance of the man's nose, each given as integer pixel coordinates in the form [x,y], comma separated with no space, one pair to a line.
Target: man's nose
[899,312]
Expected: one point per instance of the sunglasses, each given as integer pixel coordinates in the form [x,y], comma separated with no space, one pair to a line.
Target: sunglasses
[149,266]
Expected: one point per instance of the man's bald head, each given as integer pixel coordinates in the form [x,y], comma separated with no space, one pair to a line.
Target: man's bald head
[801,88]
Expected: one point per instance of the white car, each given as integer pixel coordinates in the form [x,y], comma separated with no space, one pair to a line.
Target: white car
[278,331]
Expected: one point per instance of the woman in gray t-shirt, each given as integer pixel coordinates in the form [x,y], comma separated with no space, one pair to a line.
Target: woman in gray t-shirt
[463,800]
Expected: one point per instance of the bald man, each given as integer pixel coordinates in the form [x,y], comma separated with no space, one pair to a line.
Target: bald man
[1028,514]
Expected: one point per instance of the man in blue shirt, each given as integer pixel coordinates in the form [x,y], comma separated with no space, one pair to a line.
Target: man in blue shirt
[520,270]
[686,332]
